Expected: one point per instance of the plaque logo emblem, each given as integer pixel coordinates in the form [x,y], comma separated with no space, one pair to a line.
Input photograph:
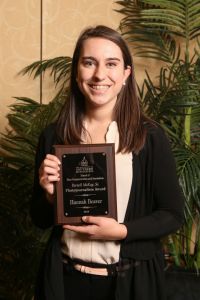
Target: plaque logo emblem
[84,167]
[84,162]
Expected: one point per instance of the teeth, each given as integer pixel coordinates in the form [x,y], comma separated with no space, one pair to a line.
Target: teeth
[100,87]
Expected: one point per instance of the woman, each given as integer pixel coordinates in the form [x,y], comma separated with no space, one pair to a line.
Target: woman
[105,258]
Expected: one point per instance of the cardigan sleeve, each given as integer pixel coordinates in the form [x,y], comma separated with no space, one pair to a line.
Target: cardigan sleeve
[41,210]
[160,198]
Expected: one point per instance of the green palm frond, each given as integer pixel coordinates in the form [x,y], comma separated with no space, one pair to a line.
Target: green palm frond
[179,18]
[197,49]
[188,166]
[195,125]
[178,88]
[21,243]
[48,113]
[59,68]
[153,27]
[27,119]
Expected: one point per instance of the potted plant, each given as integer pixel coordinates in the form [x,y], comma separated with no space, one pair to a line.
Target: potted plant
[168,32]
[21,243]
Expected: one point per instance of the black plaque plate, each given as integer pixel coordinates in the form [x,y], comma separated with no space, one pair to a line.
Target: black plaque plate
[87,185]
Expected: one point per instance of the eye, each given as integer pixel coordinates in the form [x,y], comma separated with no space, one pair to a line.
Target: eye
[88,63]
[111,65]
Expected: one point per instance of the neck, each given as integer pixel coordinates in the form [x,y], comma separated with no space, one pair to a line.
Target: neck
[96,124]
[99,115]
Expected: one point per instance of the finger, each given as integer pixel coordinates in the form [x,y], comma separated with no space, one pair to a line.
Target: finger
[79,229]
[52,178]
[92,220]
[46,179]
[51,171]
[51,163]
[53,158]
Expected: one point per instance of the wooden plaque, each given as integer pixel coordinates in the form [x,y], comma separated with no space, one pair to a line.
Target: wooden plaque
[87,185]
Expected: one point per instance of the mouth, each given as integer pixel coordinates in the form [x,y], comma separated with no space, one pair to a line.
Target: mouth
[99,87]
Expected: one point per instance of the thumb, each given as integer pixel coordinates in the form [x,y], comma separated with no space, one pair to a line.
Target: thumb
[91,220]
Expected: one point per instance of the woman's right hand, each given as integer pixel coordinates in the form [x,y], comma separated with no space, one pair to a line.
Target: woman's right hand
[49,174]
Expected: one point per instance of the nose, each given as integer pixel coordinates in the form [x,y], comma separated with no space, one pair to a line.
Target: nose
[100,73]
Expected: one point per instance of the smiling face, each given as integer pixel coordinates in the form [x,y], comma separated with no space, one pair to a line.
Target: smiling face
[101,72]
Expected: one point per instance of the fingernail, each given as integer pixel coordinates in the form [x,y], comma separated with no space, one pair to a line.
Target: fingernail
[84,219]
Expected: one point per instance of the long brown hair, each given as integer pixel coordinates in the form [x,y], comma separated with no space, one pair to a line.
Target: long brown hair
[127,111]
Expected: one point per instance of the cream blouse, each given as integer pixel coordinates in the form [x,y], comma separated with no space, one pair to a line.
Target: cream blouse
[74,244]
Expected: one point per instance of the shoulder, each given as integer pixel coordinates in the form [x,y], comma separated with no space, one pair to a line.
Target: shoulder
[49,131]
[154,130]
[157,155]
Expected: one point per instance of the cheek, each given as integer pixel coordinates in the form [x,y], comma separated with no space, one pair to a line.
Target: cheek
[119,80]
[81,80]
[83,75]
[118,77]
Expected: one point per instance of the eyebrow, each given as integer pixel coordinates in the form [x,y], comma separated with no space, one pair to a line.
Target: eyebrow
[107,59]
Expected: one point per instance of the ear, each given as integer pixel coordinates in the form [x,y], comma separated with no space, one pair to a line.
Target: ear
[127,72]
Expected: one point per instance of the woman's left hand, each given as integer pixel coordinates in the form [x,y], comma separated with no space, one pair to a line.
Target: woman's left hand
[100,228]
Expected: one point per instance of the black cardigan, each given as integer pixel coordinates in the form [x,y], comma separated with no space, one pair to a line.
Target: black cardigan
[154,210]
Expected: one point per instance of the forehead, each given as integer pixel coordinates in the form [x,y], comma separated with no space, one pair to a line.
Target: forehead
[100,47]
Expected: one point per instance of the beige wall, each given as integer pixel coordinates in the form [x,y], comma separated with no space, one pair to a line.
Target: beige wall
[19,46]
[20,41]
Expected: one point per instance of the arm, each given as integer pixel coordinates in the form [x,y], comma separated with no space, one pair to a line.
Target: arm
[159,196]
[42,205]
[158,201]
[100,228]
